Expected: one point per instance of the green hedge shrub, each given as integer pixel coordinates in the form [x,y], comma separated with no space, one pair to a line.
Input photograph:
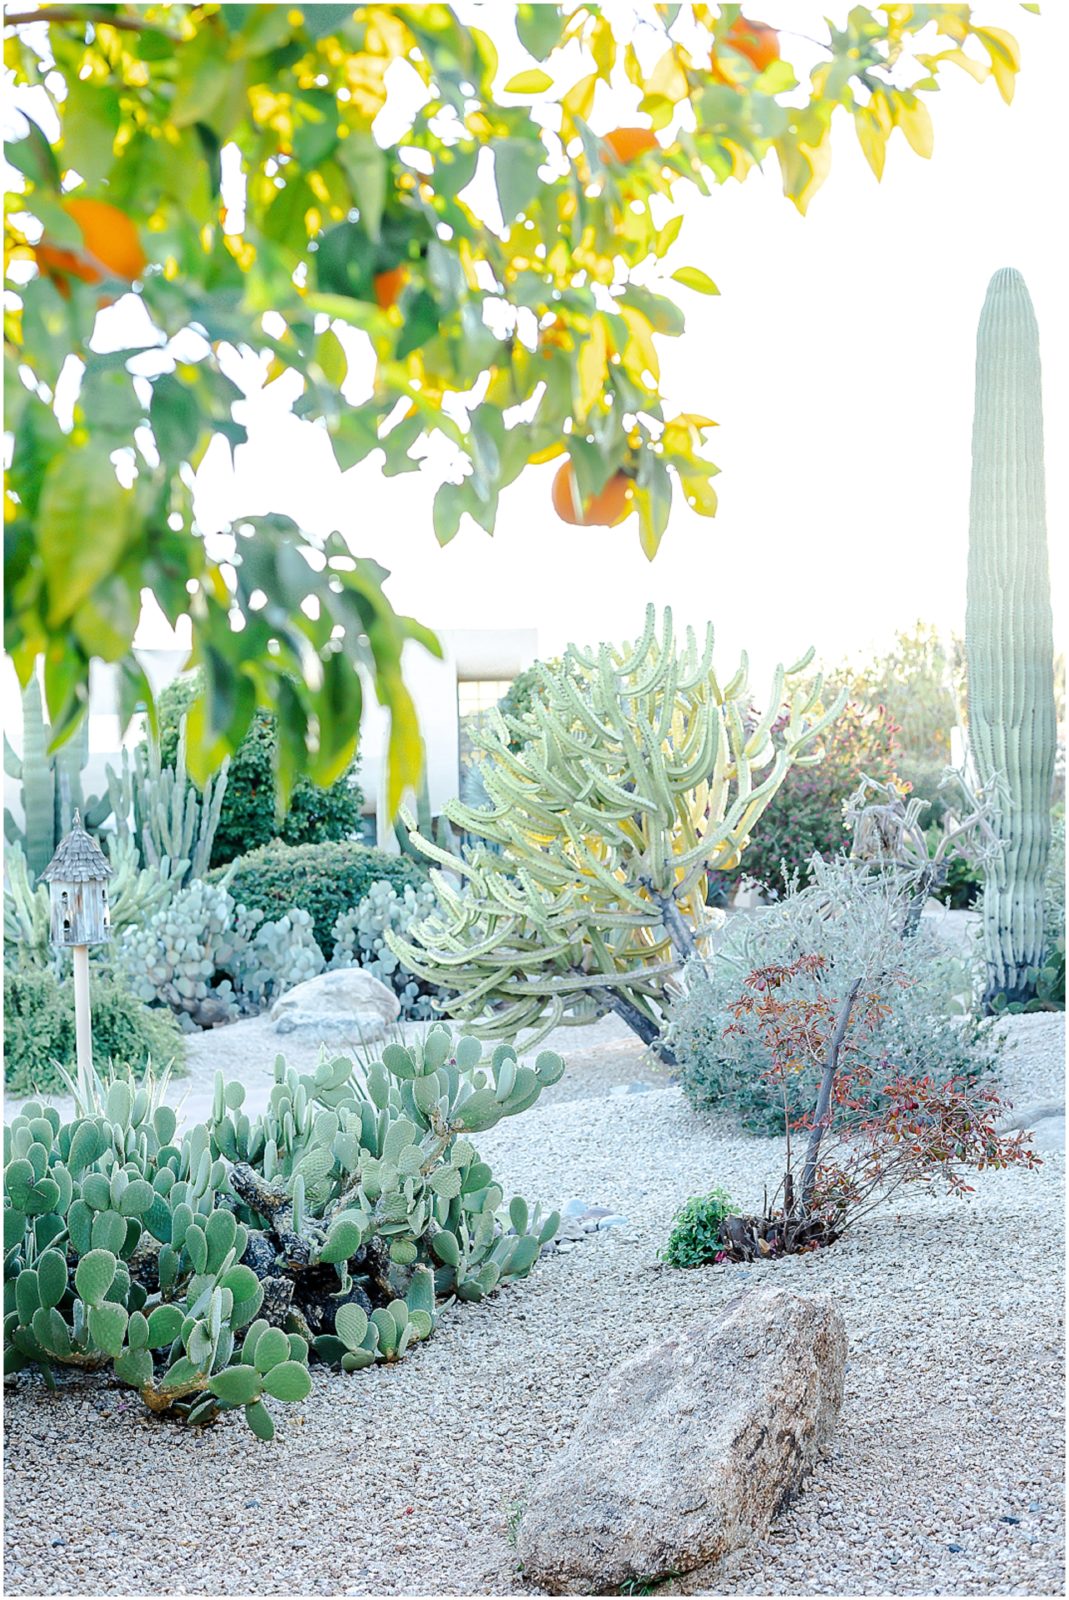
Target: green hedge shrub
[39,1029]
[323,879]
[249,816]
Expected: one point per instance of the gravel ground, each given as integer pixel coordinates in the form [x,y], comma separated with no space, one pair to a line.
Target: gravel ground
[945,1477]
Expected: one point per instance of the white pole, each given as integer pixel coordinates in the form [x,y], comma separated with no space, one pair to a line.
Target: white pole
[83,1034]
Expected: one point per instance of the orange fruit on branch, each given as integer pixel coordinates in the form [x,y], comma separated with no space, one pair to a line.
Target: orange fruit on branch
[387,286]
[756,41]
[627,144]
[111,246]
[603,510]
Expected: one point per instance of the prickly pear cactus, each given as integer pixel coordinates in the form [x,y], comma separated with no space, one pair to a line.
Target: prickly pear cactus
[360,941]
[1008,632]
[188,955]
[120,1252]
[280,955]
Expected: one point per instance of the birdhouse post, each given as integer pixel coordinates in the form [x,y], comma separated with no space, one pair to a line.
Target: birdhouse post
[77,878]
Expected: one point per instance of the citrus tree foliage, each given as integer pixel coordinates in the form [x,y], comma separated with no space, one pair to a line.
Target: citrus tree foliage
[513,318]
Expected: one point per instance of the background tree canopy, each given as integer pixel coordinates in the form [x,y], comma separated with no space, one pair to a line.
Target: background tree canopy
[503,263]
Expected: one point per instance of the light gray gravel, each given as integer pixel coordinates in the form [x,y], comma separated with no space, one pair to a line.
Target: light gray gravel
[945,1478]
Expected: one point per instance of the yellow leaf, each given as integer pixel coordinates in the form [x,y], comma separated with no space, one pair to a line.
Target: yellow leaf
[533,82]
[331,357]
[668,79]
[911,115]
[550,453]
[592,366]
[579,100]
[871,139]
[641,337]
[700,496]
[1005,58]
[975,69]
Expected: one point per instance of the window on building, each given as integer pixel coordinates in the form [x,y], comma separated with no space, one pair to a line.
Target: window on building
[475,698]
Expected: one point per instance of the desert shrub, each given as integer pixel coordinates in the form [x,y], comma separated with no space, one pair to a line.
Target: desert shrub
[39,1029]
[249,815]
[847,1150]
[805,816]
[347,1211]
[359,940]
[854,918]
[323,879]
[695,1237]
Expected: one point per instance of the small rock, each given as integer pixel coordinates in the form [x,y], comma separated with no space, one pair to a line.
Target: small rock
[345,1004]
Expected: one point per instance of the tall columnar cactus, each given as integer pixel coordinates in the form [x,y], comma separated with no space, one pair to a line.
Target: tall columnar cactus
[173,826]
[1008,630]
[51,785]
[585,889]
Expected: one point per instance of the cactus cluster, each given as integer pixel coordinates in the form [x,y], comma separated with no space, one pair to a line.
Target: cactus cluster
[205,1268]
[213,960]
[51,785]
[360,941]
[157,808]
[120,1251]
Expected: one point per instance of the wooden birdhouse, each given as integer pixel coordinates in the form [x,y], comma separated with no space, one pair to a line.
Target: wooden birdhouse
[77,878]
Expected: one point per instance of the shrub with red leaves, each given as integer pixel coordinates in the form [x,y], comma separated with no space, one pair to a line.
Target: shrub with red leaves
[843,1157]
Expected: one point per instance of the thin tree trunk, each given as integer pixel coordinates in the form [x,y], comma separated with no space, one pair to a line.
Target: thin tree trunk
[638,1022]
[820,1120]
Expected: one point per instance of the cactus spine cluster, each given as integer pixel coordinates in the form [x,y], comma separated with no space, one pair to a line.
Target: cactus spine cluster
[585,889]
[1008,631]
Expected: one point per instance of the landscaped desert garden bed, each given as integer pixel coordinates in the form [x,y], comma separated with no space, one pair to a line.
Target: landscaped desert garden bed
[944,1476]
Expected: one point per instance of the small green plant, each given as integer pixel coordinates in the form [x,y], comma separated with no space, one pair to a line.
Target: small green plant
[39,1028]
[513,1517]
[695,1237]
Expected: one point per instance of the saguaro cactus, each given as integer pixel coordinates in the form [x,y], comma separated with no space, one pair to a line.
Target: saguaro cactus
[1008,630]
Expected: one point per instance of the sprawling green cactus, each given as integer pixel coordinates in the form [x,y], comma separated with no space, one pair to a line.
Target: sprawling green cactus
[637,773]
[120,1250]
[51,785]
[1008,631]
[202,1267]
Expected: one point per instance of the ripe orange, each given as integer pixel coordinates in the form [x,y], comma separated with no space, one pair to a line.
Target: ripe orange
[388,285]
[112,246]
[605,509]
[627,143]
[755,40]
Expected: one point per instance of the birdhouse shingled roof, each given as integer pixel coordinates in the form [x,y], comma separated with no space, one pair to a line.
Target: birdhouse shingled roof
[79,859]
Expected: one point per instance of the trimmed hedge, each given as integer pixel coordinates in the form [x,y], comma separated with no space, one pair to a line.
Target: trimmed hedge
[323,879]
[249,816]
[39,1029]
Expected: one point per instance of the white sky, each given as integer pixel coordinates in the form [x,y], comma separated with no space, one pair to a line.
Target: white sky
[839,363]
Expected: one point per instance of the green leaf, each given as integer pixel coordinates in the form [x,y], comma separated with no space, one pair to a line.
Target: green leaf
[272,1347]
[91,118]
[350,1324]
[80,493]
[539,28]
[364,163]
[175,418]
[134,1367]
[51,1277]
[516,164]
[694,278]
[164,1326]
[34,157]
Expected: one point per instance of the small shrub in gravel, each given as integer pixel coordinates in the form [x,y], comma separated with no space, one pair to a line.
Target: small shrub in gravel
[846,1154]
[695,1237]
[855,919]
[39,1029]
[204,1268]
[325,880]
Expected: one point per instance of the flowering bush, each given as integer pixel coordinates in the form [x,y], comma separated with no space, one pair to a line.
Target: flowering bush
[851,1150]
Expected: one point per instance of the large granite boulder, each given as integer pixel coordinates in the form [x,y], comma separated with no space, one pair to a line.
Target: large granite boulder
[690,1447]
[346,1005]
